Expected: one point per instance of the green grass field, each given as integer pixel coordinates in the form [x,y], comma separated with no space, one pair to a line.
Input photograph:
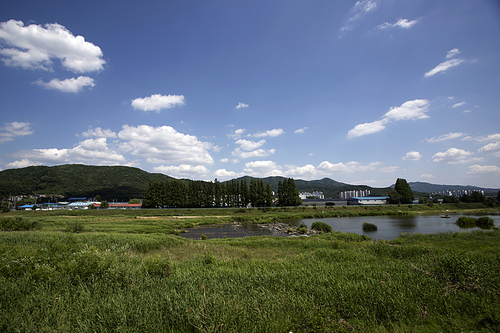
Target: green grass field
[120,273]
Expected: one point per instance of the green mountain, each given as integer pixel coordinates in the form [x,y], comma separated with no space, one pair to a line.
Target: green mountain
[118,183]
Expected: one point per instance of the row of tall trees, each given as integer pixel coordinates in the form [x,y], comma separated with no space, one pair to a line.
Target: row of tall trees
[288,195]
[233,193]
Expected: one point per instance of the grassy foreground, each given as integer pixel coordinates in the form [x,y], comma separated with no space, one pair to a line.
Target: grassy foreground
[96,282]
[125,274]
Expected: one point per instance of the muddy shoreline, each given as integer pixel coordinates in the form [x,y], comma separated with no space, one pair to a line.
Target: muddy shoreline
[246,229]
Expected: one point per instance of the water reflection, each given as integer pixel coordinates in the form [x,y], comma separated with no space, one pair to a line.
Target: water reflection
[390,227]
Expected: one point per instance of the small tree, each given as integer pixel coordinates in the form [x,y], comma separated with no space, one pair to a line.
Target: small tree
[104,204]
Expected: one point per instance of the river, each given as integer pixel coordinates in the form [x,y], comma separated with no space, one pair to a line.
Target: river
[390,227]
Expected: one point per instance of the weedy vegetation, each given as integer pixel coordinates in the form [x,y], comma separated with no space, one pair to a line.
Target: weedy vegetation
[121,273]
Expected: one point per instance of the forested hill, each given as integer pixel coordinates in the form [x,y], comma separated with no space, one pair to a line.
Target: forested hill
[434,188]
[119,183]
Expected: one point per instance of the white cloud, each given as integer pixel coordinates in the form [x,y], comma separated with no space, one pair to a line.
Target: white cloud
[157,102]
[250,145]
[444,137]
[467,111]
[401,23]
[389,169]
[451,155]
[99,132]
[307,171]
[91,151]
[262,169]
[488,138]
[493,148]
[22,164]
[427,175]
[236,134]
[348,167]
[241,105]
[300,130]
[13,130]
[456,105]
[183,170]
[35,46]
[412,156]
[224,174]
[452,53]
[410,110]
[360,9]
[69,85]
[224,160]
[164,145]
[272,133]
[444,66]
[256,153]
[483,169]
[366,128]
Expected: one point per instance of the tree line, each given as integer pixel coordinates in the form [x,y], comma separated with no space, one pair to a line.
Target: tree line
[234,193]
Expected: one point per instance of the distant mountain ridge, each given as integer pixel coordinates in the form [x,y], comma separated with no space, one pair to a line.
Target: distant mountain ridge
[434,188]
[122,183]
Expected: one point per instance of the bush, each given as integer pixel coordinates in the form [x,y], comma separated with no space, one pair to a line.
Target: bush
[485,220]
[465,221]
[329,203]
[203,237]
[321,226]
[369,227]
[75,227]
[18,223]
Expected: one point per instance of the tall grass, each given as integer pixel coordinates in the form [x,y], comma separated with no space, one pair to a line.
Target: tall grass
[117,282]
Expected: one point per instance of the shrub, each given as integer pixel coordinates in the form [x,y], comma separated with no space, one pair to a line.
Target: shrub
[18,223]
[369,227]
[485,220]
[321,226]
[329,203]
[75,227]
[203,237]
[465,221]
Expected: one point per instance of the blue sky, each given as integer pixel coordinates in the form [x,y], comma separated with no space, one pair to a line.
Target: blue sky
[363,92]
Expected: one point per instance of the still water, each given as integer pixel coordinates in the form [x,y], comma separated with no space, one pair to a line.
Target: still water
[390,227]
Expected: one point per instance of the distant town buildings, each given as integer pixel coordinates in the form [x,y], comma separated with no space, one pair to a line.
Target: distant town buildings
[315,194]
[351,194]
[456,193]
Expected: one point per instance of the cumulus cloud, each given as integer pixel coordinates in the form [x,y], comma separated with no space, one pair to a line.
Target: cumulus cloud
[488,138]
[453,156]
[401,23]
[91,151]
[157,102]
[272,133]
[410,110]
[255,153]
[491,148]
[224,174]
[99,132]
[164,145]
[183,170]
[477,169]
[300,130]
[241,105]
[427,175]
[444,66]
[36,46]
[250,145]
[69,85]
[262,169]
[236,134]
[412,156]
[444,137]
[14,129]
[307,171]
[348,167]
